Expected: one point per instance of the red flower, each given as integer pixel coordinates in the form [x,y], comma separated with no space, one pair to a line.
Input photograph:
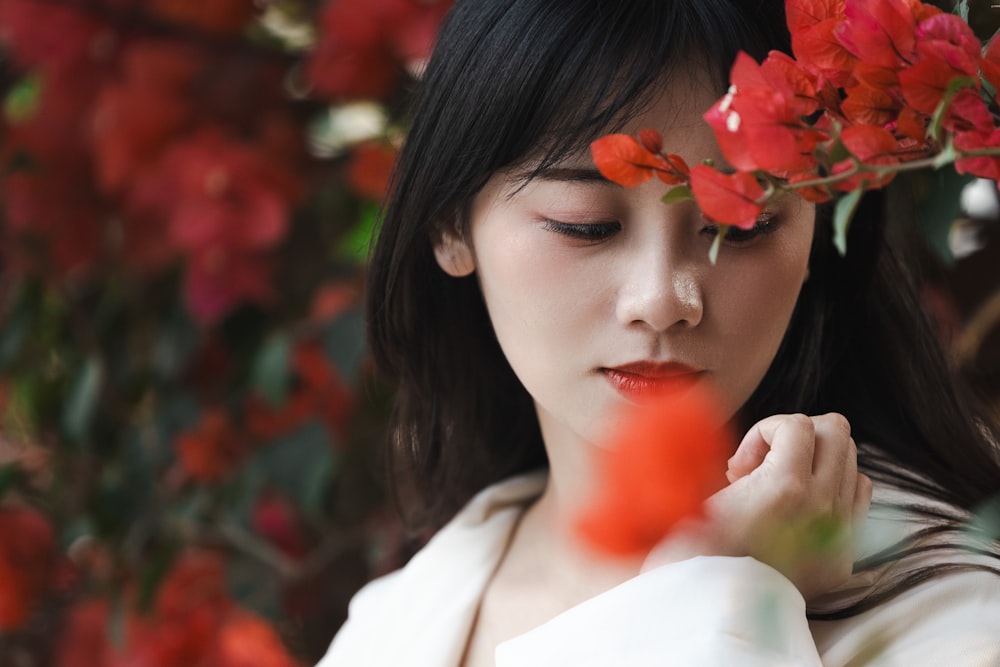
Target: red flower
[984,166]
[669,457]
[27,558]
[363,45]
[730,199]
[226,204]
[879,33]
[872,146]
[245,640]
[758,123]
[948,49]
[867,105]
[812,24]
[213,449]
[370,169]
[51,37]
[990,64]
[274,517]
[135,117]
[623,160]
[222,16]
[320,393]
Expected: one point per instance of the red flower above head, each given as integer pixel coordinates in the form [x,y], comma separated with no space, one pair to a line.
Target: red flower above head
[869,106]
[987,166]
[669,457]
[27,560]
[730,199]
[623,160]
[879,33]
[872,146]
[990,64]
[213,449]
[812,24]
[758,124]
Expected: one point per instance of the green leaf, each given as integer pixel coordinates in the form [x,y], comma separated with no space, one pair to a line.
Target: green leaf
[677,193]
[344,342]
[354,245]
[271,374]
[299,465]
[21,102]
[81,402]
[842,215]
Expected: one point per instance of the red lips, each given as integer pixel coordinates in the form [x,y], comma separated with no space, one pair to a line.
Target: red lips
[644,379]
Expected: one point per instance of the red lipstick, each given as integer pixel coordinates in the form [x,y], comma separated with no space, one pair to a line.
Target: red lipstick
[644,379]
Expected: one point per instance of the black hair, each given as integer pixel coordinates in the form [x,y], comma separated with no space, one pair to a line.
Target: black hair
[513,79]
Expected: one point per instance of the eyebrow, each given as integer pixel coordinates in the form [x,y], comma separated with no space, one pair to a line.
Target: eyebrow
[572,174]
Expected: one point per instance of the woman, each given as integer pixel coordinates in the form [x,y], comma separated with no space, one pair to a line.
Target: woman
[519,300]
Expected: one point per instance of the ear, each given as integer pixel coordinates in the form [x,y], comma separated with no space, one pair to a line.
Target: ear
[453,254]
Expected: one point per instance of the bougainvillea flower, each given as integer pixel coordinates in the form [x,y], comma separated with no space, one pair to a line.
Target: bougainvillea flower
[990,64]
[873,146]
[871,106]
[758,123]
[812,24]
[984,166]
[275,519]
[879,33]
[212,449]
[912,124]
[658,470]
[49,37]
[27,557]
[925,83]
[949,38]
[968,113]
[730,199]
[816,194]
[623,160]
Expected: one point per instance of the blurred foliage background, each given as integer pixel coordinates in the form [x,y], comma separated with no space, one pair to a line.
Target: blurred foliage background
[189,459]
[190,432]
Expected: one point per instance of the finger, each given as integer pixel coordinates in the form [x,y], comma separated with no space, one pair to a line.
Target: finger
[792,440]
[862,501]
[844,504]
[749,454]
[833,438]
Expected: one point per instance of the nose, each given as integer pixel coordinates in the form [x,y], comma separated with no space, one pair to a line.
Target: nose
[661,292]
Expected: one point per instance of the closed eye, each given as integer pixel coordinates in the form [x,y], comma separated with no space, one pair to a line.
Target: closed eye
[592,231]
[766,224]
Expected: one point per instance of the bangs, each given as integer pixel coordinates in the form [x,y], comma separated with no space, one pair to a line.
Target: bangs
[573,70]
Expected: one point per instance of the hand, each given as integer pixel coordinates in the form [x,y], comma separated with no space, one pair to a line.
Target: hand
[795,501]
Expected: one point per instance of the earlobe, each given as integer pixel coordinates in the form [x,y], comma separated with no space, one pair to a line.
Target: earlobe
[454,255]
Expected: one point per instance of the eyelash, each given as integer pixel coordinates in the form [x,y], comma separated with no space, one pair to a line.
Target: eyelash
[593,232]
[766,224]
[599,231]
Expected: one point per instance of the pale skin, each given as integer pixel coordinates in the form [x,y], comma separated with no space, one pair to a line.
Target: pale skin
[619,277]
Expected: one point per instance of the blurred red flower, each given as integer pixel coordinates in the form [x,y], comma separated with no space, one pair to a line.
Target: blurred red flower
[370,169]
[666,460]
[222,16]
[27,558]
[212,449]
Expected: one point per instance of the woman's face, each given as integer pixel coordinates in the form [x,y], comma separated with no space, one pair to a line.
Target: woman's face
[599,294]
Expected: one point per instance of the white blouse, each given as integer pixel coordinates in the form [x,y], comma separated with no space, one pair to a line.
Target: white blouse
[703,611]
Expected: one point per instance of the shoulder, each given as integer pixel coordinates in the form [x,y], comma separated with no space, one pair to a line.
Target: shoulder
[443,581]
